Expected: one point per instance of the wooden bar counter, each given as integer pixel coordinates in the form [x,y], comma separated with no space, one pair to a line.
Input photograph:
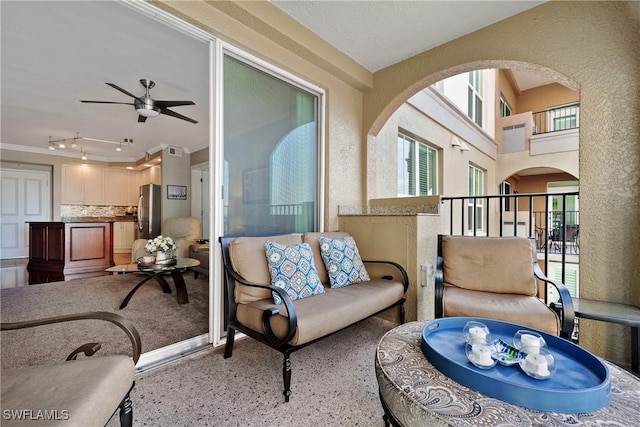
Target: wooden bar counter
[69,250]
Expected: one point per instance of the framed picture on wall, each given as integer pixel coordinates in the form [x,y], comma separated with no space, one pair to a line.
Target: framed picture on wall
[177,192]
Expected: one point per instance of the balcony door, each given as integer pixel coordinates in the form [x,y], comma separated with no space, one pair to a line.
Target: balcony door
[271,152]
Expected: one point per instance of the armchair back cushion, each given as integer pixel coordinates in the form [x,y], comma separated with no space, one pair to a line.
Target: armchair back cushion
[184,231]
[249,259]
[489,264]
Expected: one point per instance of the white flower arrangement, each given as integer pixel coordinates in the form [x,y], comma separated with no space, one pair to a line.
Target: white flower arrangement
[161,244]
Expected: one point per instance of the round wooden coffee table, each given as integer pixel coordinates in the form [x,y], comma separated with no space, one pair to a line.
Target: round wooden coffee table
[414,392]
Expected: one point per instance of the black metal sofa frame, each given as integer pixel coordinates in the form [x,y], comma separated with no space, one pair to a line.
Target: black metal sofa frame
[268,337]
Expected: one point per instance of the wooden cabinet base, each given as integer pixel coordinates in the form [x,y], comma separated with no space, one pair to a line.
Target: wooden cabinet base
[64,251]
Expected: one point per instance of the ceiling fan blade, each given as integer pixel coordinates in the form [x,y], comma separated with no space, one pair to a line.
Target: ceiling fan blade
[106,102]
[141,119]
[116,87]
[166,104]
[176,115]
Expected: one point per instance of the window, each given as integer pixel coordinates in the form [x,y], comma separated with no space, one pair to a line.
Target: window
[475,206]
[505,188]
[563,118]
[474,107]
[416,168]
[505,109]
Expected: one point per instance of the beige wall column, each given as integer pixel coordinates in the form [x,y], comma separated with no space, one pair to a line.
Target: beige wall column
[596,45]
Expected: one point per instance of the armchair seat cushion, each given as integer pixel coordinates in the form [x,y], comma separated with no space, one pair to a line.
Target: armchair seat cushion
[520,309]
[328,312]
[81,392]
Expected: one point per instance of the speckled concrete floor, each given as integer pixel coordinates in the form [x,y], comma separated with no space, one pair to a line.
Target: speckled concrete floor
[333,384]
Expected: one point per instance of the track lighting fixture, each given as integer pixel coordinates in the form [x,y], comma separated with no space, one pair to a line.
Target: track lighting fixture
[76,143]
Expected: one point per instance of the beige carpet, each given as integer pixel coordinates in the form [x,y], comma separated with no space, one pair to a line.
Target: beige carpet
[157,316]
[333,384]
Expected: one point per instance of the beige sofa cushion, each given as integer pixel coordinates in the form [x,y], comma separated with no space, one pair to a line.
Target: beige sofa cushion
[491,264]
[89,390]
[323,314]
[249,259]
[506,307]
[312,238]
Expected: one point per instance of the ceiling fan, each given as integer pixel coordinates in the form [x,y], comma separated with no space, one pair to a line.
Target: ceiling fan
[147,106]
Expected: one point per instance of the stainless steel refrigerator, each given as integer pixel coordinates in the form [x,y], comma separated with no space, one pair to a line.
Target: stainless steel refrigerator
[149,218]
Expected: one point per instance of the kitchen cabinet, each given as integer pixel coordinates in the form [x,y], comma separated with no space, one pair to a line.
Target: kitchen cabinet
[69,250]
[117,187]
[94,185]
[133,189]
[72,185]
[82,185]
[123,236]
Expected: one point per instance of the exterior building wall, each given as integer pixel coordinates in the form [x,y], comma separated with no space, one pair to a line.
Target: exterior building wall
[595,49]
[543,97]
[453,163]
[506,89]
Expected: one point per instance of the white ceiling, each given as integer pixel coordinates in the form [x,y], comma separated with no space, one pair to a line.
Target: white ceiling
[53,54]
[379,33]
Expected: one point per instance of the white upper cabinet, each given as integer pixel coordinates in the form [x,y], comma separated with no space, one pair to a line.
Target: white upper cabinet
[117,188]
[94,185]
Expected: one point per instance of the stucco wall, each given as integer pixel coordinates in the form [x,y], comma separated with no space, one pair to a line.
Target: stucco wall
[594,47]
[543,97]
[264,30]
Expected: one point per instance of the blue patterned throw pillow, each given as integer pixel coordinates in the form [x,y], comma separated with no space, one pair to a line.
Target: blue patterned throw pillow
[343,262]
[291,268]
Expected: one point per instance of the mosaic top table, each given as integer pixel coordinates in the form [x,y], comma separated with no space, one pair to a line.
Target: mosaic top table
[414,392]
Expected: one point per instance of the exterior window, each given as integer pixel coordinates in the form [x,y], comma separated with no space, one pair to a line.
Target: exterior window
[474,107]
[475,207]
[563,118]
[505,109]
[416,168]
[505,188]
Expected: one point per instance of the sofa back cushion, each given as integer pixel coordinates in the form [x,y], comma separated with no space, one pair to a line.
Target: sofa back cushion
[248,258]
[312,238]
[490,264]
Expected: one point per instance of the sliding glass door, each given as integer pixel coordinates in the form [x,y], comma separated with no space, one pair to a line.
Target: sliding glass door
[271,152]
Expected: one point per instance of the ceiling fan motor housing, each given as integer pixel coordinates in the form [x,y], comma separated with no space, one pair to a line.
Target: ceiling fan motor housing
[146,107]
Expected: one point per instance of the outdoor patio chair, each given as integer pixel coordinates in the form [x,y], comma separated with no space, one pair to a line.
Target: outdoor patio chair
[497,278]
[83,392]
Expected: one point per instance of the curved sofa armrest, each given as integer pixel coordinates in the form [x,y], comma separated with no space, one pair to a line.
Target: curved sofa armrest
[268,314]
[568,313]
[403,272]
[116,319]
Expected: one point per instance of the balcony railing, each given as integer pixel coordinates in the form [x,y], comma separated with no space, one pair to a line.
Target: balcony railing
[557,232]
[556,119]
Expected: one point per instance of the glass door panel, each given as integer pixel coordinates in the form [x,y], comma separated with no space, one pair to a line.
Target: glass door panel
[270,153]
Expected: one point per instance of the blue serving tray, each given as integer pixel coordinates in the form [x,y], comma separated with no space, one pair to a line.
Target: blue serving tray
[581,383]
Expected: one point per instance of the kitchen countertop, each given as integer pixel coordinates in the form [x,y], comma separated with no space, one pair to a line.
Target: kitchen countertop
[126,218]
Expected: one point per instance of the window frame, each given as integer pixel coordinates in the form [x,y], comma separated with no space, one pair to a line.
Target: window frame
[475,98]
[413,183]
[475,223]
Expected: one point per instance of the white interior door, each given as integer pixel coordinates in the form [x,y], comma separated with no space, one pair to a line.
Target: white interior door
[26,196]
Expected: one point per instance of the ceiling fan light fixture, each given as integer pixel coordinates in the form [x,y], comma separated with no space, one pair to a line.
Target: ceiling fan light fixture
[148,113]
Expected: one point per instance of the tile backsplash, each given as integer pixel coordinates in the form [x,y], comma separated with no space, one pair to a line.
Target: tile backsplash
[94,211]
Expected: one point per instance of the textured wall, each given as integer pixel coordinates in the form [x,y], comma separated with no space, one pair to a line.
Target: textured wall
[593,47]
